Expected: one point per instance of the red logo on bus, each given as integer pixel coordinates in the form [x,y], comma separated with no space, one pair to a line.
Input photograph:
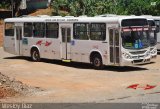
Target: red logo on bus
[48,43]
[40,42]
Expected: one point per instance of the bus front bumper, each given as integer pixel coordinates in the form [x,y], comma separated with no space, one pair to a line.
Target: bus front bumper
[130,62]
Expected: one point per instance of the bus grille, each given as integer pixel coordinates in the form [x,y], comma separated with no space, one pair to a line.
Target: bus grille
[137,61]
[151,49]
[140,56]
[138,52]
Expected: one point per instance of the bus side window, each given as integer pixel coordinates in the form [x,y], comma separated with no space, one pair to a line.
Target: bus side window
[98,31]
[52,30]
[9,29]
[38,30]
[81,31]
[28,28]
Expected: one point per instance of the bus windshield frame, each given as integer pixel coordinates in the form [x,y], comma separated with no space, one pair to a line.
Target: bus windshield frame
[135,37]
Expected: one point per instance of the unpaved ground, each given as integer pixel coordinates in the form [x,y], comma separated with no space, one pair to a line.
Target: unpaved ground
[76,82]
[1,33]
[9,87]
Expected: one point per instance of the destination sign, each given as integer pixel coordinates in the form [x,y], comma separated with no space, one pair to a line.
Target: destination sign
[133,29]
[61,20]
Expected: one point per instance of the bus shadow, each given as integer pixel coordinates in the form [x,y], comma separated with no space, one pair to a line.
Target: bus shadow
[158,53]
[19,57]
[148,63]
[80,65]
[124,68]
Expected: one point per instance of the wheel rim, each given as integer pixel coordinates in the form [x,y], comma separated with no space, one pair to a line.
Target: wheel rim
[97,62]
[35,55]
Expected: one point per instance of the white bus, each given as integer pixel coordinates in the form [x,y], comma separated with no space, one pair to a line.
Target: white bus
[157,23]
[119,41]
[152,32]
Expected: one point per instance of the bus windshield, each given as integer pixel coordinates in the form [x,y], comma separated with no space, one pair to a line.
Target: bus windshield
[135,39]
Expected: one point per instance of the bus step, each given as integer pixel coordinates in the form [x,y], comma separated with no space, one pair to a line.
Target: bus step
[64,60]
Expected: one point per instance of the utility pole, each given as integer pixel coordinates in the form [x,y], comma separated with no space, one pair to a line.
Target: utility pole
[12,8]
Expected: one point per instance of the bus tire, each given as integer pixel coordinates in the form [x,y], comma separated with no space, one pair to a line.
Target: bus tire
[35,55]
[97,61]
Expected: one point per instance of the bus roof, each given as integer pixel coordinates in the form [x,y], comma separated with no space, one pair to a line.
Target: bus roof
[156,17]
[45,18]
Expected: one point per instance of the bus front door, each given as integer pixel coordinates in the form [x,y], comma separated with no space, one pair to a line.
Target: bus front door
[18,40]
[114,46]
[66,47]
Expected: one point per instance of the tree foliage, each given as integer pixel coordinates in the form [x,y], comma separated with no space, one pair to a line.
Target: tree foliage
[4,4]
[97,7]
[7,4]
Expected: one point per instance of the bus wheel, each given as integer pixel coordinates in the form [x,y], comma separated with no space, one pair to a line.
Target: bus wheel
[97,61]
[35,55]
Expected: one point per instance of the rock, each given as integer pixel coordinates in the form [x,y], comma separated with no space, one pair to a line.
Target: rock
[3,80]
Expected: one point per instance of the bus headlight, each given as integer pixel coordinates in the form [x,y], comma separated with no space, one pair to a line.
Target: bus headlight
[147,54]
[127,56]
[153,51]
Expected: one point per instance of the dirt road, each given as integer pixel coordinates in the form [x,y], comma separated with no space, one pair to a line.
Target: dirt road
[77,82]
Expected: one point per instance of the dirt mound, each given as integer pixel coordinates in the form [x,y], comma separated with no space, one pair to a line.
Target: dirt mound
[10,87]
[47,11]
[7,92]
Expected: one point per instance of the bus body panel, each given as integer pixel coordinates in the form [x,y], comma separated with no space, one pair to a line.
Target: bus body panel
[9,44]
[52,48]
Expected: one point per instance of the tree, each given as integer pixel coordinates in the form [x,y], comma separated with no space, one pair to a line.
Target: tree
[7,4]
[97,7]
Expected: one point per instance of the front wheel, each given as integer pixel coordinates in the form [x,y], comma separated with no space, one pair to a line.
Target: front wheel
[97,62]
[35,55]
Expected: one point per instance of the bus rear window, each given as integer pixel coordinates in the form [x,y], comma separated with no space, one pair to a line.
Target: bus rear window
[81,31]
[98,31]
[52,30]
[27,29]
[9,29]
[39,30]
[134,22]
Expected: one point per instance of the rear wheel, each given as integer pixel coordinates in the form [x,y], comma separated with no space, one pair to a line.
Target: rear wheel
[35,55]
[97,61]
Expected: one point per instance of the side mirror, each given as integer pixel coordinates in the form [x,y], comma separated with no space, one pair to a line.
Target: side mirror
[157,29]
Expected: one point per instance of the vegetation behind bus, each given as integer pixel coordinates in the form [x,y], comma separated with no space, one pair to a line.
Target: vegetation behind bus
[98,7]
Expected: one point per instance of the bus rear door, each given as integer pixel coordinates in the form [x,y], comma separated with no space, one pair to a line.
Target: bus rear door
[18,41]
[65,44]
